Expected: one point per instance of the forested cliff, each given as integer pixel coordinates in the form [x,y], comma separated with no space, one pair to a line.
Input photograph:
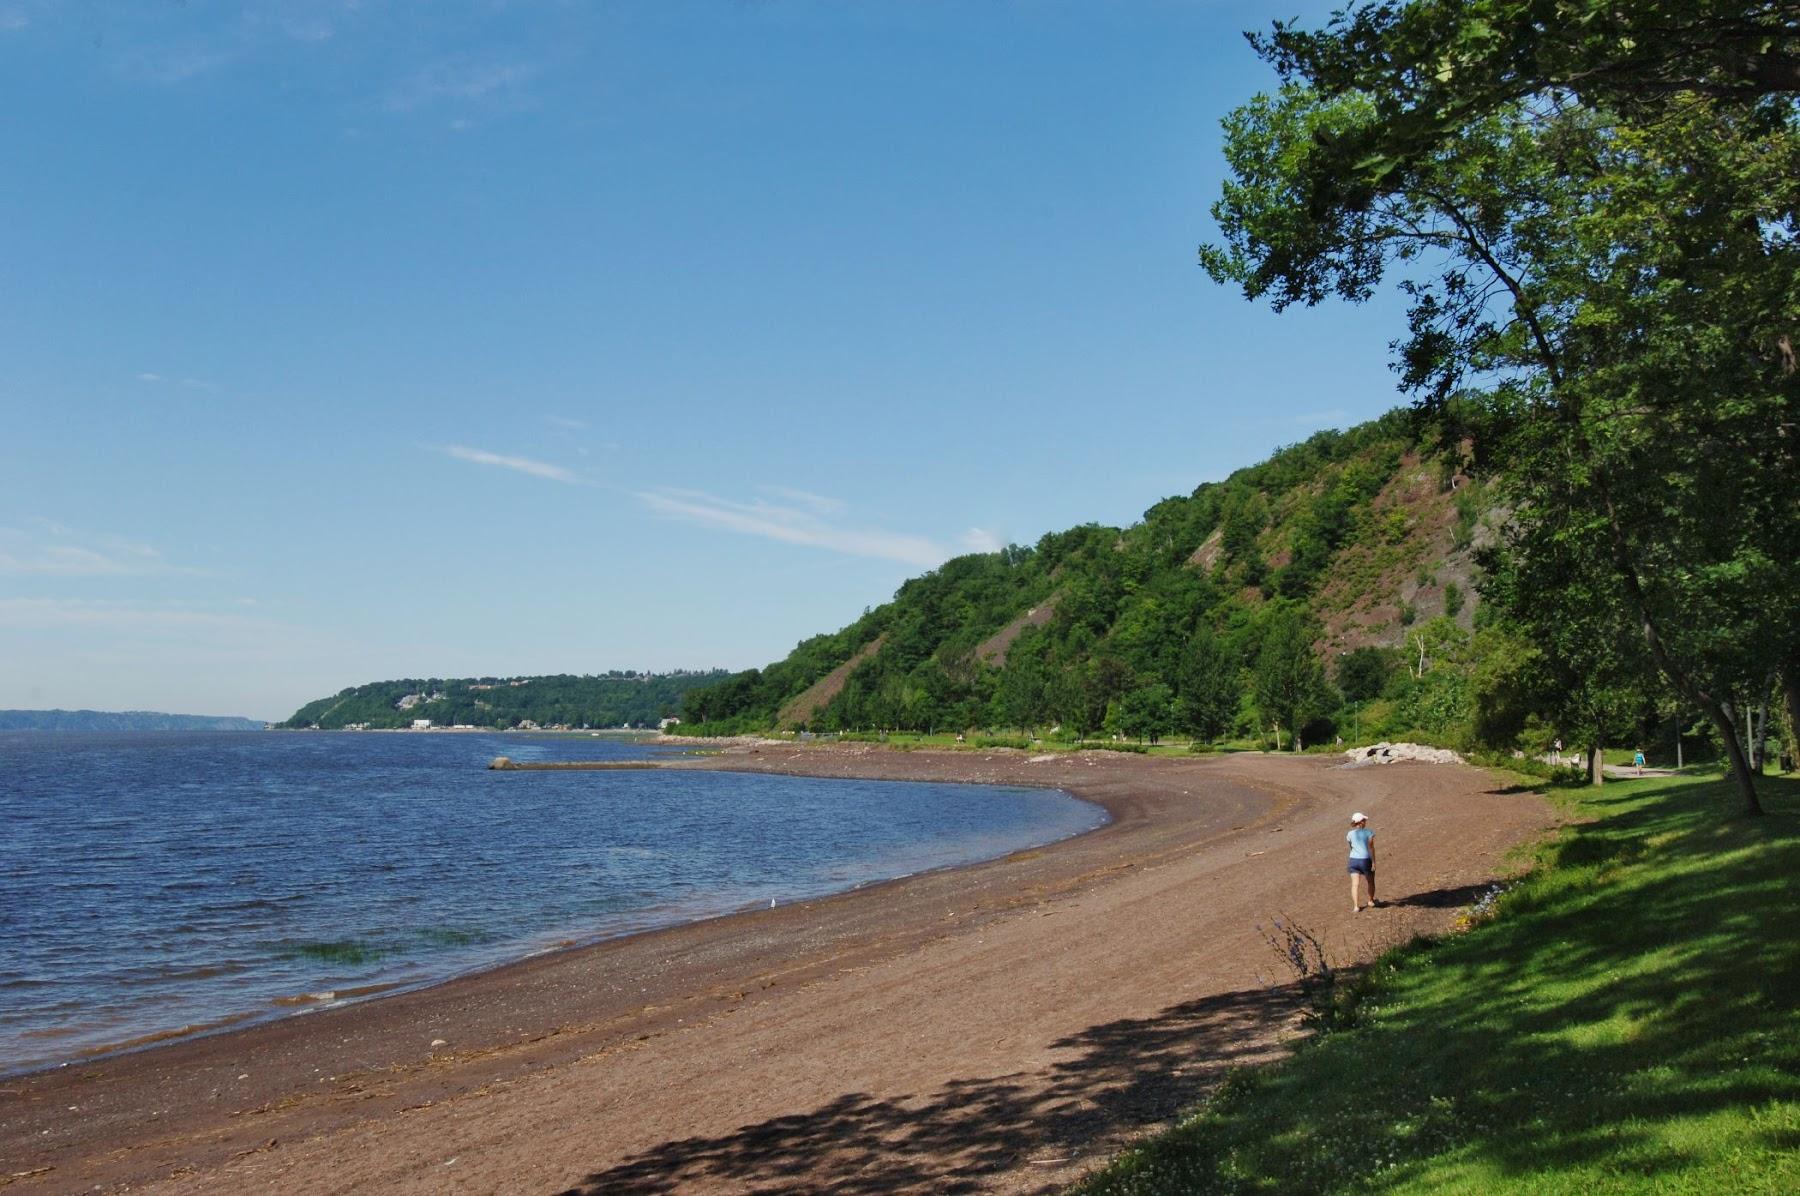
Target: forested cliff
[1338,571]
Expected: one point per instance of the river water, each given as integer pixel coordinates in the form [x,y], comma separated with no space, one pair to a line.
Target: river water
[161,883]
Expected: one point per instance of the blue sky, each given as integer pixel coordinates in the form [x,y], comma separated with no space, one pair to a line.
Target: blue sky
[345,341]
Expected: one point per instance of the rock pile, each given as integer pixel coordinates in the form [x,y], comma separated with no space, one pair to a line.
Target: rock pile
[1391,753]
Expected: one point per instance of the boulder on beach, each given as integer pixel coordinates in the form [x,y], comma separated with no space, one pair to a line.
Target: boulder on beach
[502,762]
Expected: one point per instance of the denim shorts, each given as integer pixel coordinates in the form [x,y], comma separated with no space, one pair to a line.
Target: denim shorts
[1365,866]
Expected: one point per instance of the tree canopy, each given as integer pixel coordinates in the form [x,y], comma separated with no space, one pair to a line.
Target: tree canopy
[1594,213]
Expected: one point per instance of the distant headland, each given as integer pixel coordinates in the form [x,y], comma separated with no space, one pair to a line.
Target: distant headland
[121,720]
[556,702]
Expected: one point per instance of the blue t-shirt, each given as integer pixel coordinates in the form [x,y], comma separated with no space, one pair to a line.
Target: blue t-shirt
[1361,838]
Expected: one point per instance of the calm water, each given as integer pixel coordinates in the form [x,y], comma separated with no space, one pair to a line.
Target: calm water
[150,882]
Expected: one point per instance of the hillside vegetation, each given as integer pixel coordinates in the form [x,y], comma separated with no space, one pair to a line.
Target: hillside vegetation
[1331,583]
[603,700]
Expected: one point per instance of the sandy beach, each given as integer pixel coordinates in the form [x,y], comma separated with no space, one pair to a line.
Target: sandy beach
[1001,1027]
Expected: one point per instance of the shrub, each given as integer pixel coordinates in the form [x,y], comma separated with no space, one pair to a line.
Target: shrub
[1304,957]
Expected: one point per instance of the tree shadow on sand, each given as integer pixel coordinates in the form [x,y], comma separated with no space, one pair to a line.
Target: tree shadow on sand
[1122,1076]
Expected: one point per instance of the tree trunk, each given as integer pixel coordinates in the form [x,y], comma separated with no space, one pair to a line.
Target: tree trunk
[1683,682]
[1734,749]
[1596,764]
[1790,692]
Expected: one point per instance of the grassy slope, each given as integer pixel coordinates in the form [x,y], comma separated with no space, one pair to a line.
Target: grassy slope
[1629,1022]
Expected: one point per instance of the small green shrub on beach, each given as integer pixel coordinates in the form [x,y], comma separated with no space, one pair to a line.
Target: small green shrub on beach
[1620,1021]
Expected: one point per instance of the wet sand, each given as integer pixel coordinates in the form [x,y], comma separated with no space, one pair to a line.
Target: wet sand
[1001,1027]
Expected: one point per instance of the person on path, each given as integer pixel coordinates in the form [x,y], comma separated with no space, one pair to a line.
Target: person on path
[1637,758]
[1362,860]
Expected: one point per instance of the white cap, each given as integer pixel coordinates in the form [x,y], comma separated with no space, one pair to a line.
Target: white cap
[1359,817]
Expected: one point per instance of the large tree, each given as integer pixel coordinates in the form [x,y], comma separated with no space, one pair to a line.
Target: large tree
[1617,287]
[1209,680]
[1290,686]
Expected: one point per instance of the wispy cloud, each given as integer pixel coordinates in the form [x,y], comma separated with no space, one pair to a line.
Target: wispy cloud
[459,80]
[167,45]
[803,524]
[170,61]
[566,423]
[190,383]
[51,549]
[525,465]
[818,504]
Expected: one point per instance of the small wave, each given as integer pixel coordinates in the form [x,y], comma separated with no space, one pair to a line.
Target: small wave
[366,990]
[451,936]
[52,1032]
[331,995]
[255,903]
[167,974]
[186,1031]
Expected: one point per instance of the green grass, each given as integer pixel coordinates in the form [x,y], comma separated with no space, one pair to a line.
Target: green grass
[1627,1022]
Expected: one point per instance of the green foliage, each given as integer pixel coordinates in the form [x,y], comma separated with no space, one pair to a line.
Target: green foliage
[614,699]
[1430,67]
[1363,673]
[1290,686]
[1593,212]
[1618,1022]
[1147,712]
[1512,683]
[1143,641]
[1468,514]
[1208,685]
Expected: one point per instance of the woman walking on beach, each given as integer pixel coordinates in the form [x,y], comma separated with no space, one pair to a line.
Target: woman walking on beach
[1362,860]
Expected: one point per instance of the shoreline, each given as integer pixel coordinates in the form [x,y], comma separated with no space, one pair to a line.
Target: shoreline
[297,1005]
[780,998]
